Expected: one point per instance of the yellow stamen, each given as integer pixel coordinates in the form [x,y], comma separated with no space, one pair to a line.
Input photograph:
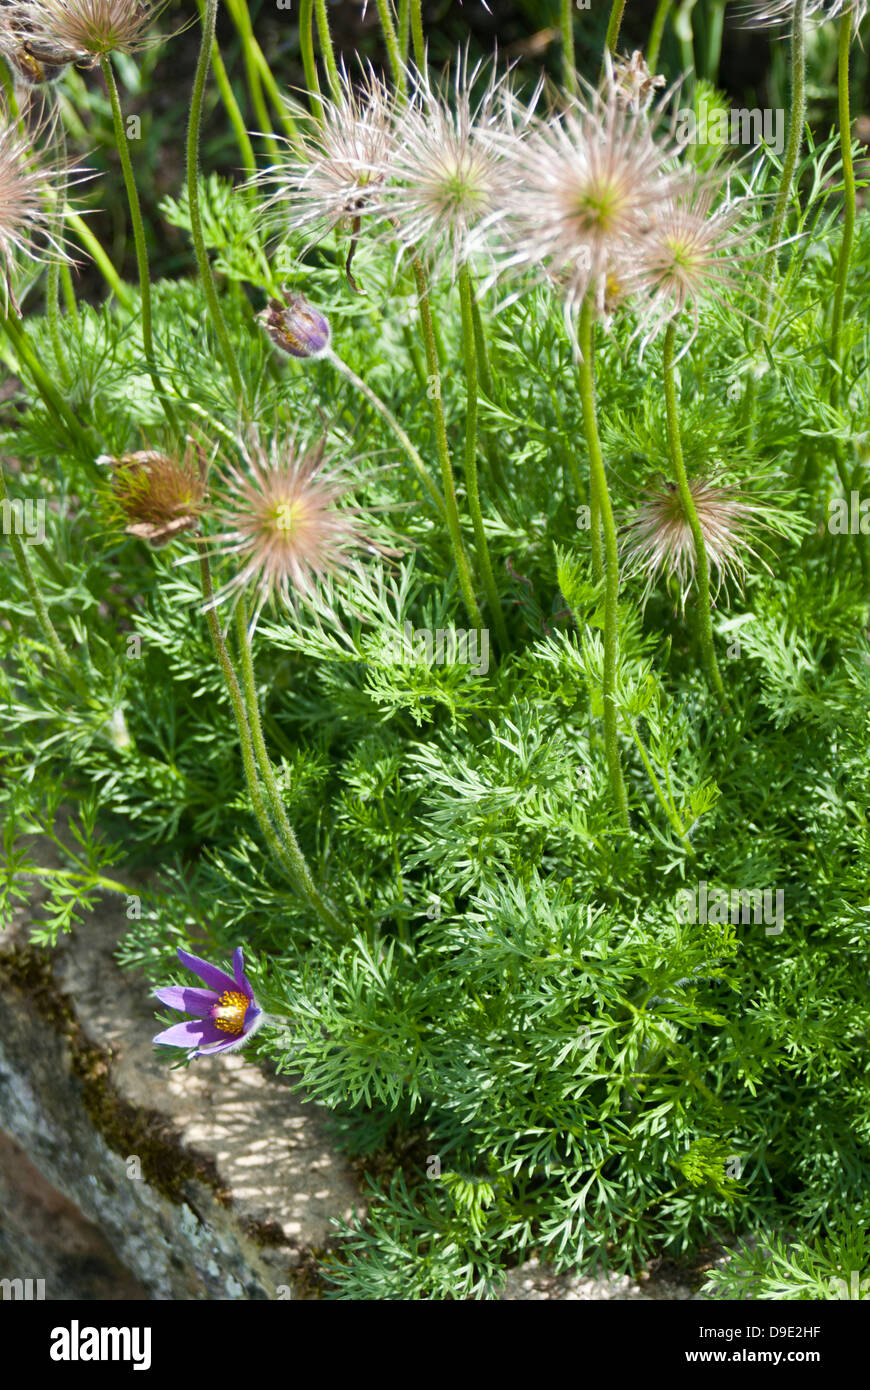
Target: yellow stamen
[230,1016]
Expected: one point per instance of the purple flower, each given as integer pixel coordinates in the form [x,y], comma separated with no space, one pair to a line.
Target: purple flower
[227,1014]
[296,326]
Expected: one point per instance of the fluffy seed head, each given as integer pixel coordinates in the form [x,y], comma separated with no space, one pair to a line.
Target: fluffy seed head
[159,496]
[657,540]
[285,521]
[633,82]
[82,30]
[583,187]
[35,57]
[331,181]
[689,252]
[30,186]
[443,185]
[760,14]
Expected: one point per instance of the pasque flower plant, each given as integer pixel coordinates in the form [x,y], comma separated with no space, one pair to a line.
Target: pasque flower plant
[420,363]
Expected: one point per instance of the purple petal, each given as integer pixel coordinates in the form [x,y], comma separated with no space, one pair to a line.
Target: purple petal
[188,1001]
[251,1016]
[227,1040]
[191,1033]
[209,974]
[242,981]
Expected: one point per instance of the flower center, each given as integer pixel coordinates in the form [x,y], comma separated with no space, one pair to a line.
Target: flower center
[229,1013]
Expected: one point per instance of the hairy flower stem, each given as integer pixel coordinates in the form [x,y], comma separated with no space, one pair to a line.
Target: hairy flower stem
[849,195]
[614,25]
[386,414]
[309,64]
[472,485]
[702,572]
[663,9]
[327,49]
[139,241]
[792,153]
[404,28]
[214,308]
[569,60]
[391,42]
[611,590]
[245,741]
[40,608]
[418,38]
[447,479]
[292,852]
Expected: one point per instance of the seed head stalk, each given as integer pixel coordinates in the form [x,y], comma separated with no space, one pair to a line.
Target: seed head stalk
[472,484]
[394,53]
[611,591]
[705,621]
[327,49]
[447,479]
[242,20]
[214,308]
[418,38]
[614,25]
[138,239]
[306,44]
[569,60]
[656,32]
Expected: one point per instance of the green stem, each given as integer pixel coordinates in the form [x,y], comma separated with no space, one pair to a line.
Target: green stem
[614,25]
[138,239]
[52,304]
[569,61]
[611,590]
[447,479]
[849,195]
[306,44]
[217,318]
[327,49]
[484,372]
[418,37]
[69,292]
[656,32]
[702,564]
[99,257]
[419,466]
[292,851]
[242,20]
[472,484]
[54,402]
[228,96]
[666,805]
[391,42]
[404,28]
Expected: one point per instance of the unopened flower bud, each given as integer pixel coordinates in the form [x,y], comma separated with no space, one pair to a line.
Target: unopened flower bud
[295,326]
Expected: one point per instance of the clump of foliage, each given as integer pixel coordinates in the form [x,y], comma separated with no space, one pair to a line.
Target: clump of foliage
[456,592]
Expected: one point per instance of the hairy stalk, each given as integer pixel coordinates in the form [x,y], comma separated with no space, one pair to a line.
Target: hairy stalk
[418,38]
[69,292]
[472,484]
[614,25]
[663,9]
[484,372]
[292,852]
[705,620]
[404,28]
[848,193]
[242,20]
[569,61]
[611,590]
[214,308]
[306,45]
[391,41]
[138,240]
[40,608]
[383,410]
[447,479]
[327,49]
[783,197]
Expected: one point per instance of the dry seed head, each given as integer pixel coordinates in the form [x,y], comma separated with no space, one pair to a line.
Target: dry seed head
[160,496]
[583,186]
[30,187]
[656,538]
[285,521]
[331,181]
[760,14]
[86,30]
